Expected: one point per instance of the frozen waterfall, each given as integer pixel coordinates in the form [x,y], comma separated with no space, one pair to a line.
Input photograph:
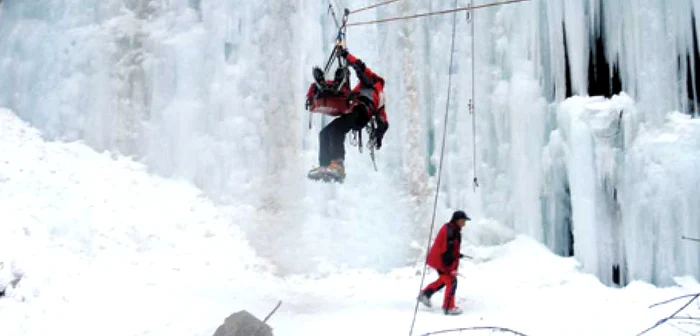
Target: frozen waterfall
[212,91]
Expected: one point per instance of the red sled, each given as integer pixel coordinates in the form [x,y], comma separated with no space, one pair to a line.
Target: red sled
[330,105]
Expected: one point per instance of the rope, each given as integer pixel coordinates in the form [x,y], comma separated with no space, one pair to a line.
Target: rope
[472,102]
[447,11]
[373,6]
[332,12]
[442,156]
[476,329]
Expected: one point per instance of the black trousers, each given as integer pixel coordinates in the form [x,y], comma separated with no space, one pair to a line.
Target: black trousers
[332,137]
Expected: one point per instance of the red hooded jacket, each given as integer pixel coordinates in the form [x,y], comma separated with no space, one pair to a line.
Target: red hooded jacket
[444,254]
[371,86]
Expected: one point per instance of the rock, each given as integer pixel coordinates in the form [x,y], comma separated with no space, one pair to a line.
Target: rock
[243,323]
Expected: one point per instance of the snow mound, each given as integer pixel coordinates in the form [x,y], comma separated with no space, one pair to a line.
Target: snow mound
[88,229]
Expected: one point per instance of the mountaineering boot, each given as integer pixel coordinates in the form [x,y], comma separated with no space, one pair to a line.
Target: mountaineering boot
[317,173]
[452,311]
[425,300]
[336,170]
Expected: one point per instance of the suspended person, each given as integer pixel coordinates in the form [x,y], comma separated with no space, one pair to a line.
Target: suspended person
[369,94]
[444,257]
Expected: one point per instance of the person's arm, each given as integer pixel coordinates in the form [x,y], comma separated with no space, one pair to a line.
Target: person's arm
[364,74]
[382,126]
[448,257]
[439,247]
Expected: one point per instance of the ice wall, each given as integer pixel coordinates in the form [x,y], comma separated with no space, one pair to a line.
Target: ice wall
[576,154]
[212,92]
[658,201]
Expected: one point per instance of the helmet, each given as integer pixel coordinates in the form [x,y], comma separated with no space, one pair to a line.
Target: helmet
[319,76]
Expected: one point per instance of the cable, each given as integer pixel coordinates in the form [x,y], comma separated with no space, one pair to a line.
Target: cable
[447,11]
[472,101]
[442,156]
[373,6]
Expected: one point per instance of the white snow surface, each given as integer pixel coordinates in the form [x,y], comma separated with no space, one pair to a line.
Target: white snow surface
[107,248]
[212,92]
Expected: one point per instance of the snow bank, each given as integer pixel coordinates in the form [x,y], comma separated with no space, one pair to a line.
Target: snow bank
[212,92]
[90,230]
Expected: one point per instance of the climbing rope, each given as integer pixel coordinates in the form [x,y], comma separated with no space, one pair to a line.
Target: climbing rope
[447,11]
[472,101]
[373,6]
[442,156]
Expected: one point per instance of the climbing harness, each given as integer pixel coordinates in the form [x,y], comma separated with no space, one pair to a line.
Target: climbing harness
[371,129]
[372,143]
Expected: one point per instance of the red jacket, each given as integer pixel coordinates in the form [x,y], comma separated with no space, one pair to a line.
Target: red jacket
[370,86]
[444,254]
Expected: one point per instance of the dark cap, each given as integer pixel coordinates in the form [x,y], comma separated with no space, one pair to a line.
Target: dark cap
[457,215]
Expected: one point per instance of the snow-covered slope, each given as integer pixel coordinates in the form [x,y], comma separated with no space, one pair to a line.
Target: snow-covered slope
[100,241]
[108,249]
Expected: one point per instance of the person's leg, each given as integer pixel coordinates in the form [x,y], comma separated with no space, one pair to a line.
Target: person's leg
[434,287]
[449,302]
[428,291]
[336,135]
[324,154]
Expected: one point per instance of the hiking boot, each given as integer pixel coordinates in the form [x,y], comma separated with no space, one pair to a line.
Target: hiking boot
[317,173]
[453,311]
[425,300]
[336,170]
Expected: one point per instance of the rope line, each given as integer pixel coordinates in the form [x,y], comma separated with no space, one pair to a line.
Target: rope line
[447,11]
[475,329]
[472,102]
[442,156]
[373,6]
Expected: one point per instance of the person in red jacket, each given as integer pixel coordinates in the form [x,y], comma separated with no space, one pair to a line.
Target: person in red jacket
[444,257]
[369,93]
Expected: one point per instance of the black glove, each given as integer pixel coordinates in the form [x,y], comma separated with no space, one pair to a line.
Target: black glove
[447,259]
[382,127]
[343,52]
[359,66]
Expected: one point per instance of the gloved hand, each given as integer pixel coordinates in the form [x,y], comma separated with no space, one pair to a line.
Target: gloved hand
[382,127]
[343,52]
[359,66]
